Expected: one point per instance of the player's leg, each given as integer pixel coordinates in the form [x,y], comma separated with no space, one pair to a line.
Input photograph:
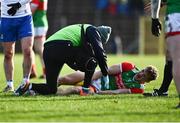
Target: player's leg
[71,79]
[38,47]
[68,91]
[9,50]
[89,66]
[33,69]
[39,39]
[26,45]
[25,35]
[50,87]
[53,64]
[8,39]
[167,77]
[173,43]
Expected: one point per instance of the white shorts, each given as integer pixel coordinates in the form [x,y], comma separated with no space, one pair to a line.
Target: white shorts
[172,24]
[97,84]
[40,31]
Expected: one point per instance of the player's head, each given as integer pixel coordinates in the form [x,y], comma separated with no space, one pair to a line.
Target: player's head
[147,74]
[104,32]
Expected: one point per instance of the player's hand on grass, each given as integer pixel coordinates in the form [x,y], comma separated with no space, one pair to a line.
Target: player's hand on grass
[156,27]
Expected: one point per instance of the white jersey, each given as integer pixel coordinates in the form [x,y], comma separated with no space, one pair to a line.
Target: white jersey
[24,10]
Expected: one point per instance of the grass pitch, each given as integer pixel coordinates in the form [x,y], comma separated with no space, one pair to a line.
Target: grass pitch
[97,108]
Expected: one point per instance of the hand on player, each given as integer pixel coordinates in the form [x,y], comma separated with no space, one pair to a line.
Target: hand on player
[156,27]
[105,79]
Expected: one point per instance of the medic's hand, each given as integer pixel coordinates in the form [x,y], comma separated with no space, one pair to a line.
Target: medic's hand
[14,7]
[105,79]
[156,27]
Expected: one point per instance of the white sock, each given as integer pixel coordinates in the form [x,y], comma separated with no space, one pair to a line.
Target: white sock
[30,86]
[10,83]
[25,80]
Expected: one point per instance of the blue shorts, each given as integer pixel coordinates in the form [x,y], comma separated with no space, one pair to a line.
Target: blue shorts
[14,29]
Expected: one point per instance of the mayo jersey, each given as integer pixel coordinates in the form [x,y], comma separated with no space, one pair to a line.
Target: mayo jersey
[40,17]
[122,80]
[24,10]
[173,6]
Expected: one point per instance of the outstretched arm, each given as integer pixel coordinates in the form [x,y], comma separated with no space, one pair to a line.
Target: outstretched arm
[114,69]
[155,7]
[68,91]
[123,91]
[78,76]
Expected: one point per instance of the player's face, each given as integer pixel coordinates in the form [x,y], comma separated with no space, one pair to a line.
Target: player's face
[141,76]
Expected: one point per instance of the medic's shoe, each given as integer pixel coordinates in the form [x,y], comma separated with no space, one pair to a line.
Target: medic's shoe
[86,91]
[22,89]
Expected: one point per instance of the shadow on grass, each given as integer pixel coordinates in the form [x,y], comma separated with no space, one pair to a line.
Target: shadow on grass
[10,97]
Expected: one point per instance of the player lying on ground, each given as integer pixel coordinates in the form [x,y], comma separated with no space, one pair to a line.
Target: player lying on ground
[124,78]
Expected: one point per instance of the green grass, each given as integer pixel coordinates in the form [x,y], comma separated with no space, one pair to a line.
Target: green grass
[98,108]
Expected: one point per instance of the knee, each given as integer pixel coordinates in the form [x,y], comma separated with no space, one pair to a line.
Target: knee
[8,55]
[63,79]
[27,52]
[91,64]
[38,49]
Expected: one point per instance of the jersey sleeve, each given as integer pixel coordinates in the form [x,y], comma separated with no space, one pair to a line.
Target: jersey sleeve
[36,2]
[137,90]
[95,40]
[155,7]
[126,66]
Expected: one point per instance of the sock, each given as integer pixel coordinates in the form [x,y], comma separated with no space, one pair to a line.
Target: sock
[25,80]
[86,90]
[10,83]
[167,77]
[30,86]
[87,78]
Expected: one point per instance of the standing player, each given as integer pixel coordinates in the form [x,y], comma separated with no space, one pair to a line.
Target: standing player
[167,77]
[39,11]
[16,25]
[172,29]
